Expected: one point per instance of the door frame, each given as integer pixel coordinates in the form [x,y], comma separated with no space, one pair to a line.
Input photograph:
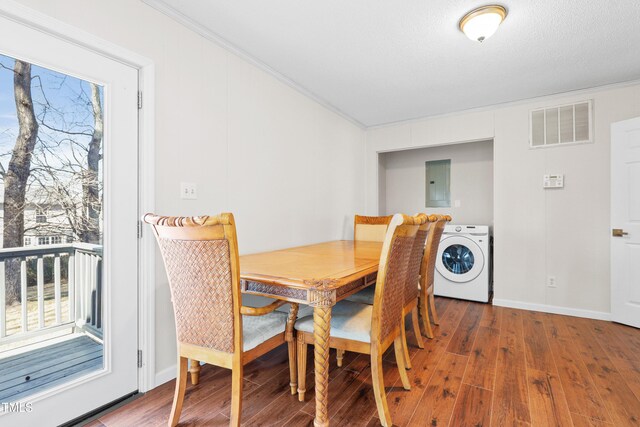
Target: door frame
[146,195]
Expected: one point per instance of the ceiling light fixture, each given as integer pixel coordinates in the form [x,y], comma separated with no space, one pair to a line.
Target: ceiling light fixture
[481,23]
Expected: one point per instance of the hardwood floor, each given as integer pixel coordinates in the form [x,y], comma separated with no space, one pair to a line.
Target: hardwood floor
[487,366]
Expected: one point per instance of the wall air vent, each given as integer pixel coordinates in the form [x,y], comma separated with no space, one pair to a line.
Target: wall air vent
[561,125]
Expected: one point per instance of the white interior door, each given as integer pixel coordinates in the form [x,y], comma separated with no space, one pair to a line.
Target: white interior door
[625,222]
[117,375]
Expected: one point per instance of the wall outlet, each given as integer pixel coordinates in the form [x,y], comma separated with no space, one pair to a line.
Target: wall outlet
[457,203]
[551,281]
[188,190]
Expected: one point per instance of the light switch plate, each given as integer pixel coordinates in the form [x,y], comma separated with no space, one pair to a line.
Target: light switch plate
[456,203]
[188,190]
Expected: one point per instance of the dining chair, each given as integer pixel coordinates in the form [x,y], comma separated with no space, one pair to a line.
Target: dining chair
[426,302]
[371,329]
[412,286]
[202,264]
[366,296]
[370,228]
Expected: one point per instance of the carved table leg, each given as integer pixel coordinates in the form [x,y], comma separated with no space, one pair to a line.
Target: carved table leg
[291,343]
[321,329]
[194,370]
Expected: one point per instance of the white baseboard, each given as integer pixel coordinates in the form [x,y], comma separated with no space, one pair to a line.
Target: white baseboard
[165,375]
[576,312]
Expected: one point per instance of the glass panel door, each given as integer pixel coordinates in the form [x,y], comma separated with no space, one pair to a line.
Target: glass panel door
[51,137]
[68,256]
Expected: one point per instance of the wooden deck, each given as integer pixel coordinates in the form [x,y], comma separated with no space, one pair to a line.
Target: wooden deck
[33,371]
[487,366]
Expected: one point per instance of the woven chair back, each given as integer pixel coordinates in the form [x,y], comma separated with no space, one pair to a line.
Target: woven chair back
[201,260]
[431,251]
[411,289]
[392,275]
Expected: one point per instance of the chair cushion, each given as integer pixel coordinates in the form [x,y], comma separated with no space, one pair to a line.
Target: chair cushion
[365,296]
[249,300]
[349,320]
[258,329]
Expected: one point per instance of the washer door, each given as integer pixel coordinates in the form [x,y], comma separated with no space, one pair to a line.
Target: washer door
[460,259]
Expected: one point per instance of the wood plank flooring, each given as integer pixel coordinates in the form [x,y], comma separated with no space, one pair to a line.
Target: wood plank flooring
[27,373]
[487,366]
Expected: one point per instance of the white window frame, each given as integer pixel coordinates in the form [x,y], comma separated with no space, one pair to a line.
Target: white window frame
[41,212]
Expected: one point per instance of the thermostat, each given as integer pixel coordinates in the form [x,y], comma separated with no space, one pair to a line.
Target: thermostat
[553,181]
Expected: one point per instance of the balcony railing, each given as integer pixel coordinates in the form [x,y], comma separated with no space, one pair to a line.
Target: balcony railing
[71,297]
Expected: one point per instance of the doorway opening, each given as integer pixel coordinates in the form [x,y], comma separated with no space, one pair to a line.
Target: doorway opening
[408,182]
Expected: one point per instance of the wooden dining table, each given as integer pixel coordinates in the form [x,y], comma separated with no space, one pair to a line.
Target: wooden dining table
[317,275]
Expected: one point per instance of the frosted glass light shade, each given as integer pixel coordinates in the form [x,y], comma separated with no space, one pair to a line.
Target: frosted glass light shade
[482,23]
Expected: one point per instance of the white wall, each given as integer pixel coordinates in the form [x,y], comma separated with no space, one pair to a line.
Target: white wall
[538,233]
[289,169]
[403,173]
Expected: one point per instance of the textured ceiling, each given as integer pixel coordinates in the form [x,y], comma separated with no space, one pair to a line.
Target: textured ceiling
[380,61]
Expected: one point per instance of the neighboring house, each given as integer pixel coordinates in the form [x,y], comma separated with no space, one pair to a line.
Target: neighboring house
[45,224]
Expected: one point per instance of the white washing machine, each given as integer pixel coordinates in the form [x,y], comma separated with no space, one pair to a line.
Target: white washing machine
[463,263]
